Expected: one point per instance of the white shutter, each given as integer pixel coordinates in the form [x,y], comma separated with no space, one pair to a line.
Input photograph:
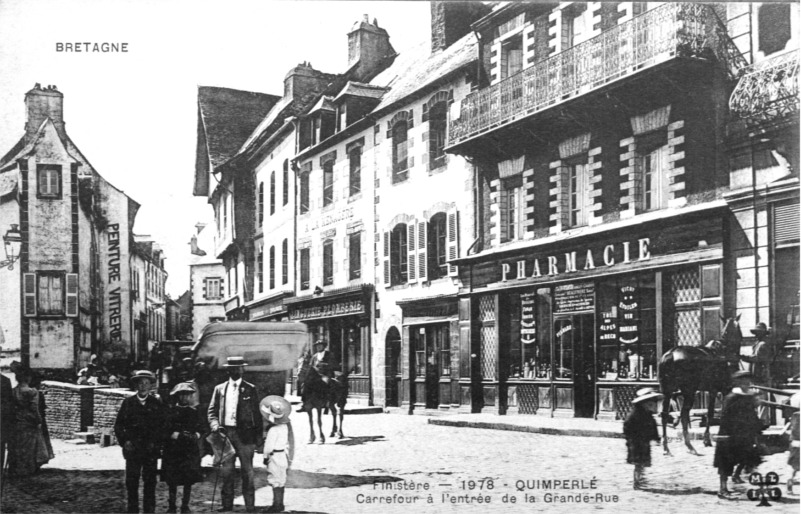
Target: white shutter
[72,294]
[29,293]
[386,260]
[452,244]
[411,254]
[422,251]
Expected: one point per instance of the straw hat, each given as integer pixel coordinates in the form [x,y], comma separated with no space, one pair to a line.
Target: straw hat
[647,394]
[183,387]
[235,362]
[742,375]
[142,374]
[277,407]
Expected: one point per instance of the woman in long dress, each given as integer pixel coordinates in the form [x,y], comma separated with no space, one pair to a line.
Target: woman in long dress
[29,450]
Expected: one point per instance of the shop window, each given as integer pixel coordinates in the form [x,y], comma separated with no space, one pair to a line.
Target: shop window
[260,206]
[437,246]
[355,165]
[511,56]
[578,194]
[355,352]
[260,270]
[355,256]
[420,352]
[49,180]
[398,255]
[285,182]
[400,151]
[512,208]
[328,183]
[272,193]
[304,268]
[328,262]
[445,352]
[437,127]
[272,267]
[529,346]
[285,262]
[304,192]
[774,27]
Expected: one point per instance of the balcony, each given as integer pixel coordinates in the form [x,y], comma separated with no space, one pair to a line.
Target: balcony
[768,90]
[670,31]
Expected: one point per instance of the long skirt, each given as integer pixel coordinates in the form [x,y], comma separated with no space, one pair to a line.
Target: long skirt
[28,451]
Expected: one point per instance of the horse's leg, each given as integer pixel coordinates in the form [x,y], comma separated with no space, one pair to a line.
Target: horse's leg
[665,416]
[334,418]
[710,415]
[341,434]
[310,412]
[320,424]
[687,406]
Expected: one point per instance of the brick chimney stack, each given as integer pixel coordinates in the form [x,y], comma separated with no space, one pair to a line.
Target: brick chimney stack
[368,45]
[304,82]
[450,21]
[42,103]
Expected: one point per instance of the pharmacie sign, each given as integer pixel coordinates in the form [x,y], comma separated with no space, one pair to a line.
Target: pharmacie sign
[574,261]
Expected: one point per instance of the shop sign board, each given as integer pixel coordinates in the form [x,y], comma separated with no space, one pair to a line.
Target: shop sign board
[574,297]
[327,310]
[270,309]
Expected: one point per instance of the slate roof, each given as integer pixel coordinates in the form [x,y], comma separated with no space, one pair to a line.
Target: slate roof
[229,117]
[362,90]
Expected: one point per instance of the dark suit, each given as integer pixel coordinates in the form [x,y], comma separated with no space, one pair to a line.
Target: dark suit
[245,436]
[144,426]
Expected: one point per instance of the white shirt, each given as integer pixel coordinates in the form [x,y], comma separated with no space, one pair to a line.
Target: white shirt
[277,438]
[231,401]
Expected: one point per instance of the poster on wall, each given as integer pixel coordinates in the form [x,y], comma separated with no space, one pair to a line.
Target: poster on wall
[574,297]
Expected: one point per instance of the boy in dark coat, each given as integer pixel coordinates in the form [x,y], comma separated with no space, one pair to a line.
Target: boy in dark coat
[180,463]
[640,429]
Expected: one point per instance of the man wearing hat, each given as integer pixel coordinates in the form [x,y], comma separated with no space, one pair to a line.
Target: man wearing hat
[323,360]
[639,430]
[234,410]
[140,428]
[760,359]
[279,446]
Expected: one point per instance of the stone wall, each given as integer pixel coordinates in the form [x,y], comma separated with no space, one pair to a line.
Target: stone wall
[69,408]
[107,404]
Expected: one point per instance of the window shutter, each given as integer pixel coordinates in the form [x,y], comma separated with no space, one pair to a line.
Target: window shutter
[786,225]
[386,260]
[411,228]
[72,294]
[29,293]
[453,241]
[422,251]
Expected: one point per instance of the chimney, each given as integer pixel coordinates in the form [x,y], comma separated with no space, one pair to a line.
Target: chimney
[303,82]
[450,21]
[368,45]
[41,104]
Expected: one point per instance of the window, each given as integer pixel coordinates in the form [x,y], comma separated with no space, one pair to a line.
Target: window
[400,151]
[225,214]
[437,246]
[355,161]
[214,288]
[285,262]
[304,192]
[512,208]
[355,255]
[272,193]
[653,166]
[437,124]
[50,293]
[272,267]
[260,270]
[399,265]
[578,194]
[49,180]
[328,183]
[512,56]
[328,262]
[286,182]
[577,24]
[774,27]
[260,208]
[304,268]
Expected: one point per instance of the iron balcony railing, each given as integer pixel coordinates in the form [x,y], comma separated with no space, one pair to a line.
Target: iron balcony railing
[768,89]
[669,31]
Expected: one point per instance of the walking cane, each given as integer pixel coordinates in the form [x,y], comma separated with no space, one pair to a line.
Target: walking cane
[218,466]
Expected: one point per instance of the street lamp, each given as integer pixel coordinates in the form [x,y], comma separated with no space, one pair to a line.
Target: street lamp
[12,242]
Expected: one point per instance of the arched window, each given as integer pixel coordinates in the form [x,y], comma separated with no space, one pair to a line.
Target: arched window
[286,182]
[400,151]
[285,262]
[272,267]
[272,193]
[437,246]
[398,254]
[260,270]
[260,208]
[437,125]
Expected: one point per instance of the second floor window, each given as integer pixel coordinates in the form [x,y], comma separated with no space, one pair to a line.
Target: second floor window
[328,263]
[285,262]
[355,256]
[305,255]
[286,182]
[260,271]
[512,208]
[328,183]
[400,151]
[355,163]
[213,288]
[49,180]
[653,166]
[261,203]
[437,246]
[272,193]
[304,193]
[225,215]
[272,267]
[398,255]
[437,126]
[50,293]
[578,195]
[512,56]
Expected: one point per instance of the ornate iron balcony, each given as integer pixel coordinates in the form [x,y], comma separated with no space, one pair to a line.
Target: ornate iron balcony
[669,31]
[768,89]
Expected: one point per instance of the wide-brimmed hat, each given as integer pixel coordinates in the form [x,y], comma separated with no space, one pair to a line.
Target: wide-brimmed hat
[277,407]
[235,362]
[760,327]
[183,387]
[647,394]
[142,374]
[742,375]
[321,341]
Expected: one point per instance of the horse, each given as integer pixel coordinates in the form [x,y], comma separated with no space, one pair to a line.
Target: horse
[322,395]
[686,370]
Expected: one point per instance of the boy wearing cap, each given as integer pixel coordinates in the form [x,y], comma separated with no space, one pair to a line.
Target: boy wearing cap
[140,426]
[279,446]
[640,429]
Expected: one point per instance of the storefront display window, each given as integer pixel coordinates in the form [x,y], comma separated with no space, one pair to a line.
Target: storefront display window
[529,348]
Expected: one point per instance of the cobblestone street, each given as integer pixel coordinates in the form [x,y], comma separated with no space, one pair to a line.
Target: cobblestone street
[393,457]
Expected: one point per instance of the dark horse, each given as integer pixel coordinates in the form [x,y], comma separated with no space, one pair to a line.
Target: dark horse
[686,370]
[322,396]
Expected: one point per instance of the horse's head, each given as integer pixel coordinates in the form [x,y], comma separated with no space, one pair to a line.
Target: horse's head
[731,336]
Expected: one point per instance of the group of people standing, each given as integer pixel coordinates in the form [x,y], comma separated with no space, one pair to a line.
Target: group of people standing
[148,429]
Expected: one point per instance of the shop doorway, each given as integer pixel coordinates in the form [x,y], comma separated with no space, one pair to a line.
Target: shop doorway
[574,358]
[393,367]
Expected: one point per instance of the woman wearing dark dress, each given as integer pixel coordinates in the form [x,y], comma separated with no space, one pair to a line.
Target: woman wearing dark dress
[639,430]
[180,462]
[739,428]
